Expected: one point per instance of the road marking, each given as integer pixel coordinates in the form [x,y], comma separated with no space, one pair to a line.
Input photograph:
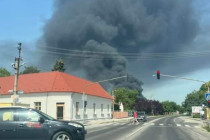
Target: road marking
[187,125]
[141,128]
[196,126]
[161,124]
[178,125]
[152,123]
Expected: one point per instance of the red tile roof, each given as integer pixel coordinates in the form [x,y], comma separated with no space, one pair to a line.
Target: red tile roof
[52,82]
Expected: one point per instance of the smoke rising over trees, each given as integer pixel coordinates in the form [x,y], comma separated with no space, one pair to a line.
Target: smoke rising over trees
[104,32]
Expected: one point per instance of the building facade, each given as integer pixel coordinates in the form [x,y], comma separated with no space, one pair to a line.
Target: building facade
[59,98]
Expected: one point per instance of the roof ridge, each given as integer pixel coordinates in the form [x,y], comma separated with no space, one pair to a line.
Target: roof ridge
[54,80]
[62,75]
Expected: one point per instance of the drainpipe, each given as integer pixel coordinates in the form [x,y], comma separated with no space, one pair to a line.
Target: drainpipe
[46,103]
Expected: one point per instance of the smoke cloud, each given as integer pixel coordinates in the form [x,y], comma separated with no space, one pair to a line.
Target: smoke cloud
[116,27]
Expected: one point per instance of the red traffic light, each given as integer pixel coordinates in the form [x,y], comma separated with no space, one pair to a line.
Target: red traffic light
[158,74]
[209,102]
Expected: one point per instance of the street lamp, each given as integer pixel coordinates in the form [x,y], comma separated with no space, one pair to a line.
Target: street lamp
[83,99]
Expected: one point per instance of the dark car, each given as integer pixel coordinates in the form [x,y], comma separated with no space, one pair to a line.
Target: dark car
[18,123]
[141,116]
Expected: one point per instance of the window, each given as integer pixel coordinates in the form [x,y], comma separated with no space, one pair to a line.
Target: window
[85,107]
[77,108]
[28,115]
[37,105]
[94,108]
[60,111]
[6,115]
[102,109]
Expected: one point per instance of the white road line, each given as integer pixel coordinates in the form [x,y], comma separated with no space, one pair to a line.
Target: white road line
[161,124]
[178,125]
[145,124]
[196,126]
[187,125]
[152,124]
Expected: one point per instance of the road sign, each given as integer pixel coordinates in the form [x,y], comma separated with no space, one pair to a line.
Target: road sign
[207,96]
[11,92]
[196,109]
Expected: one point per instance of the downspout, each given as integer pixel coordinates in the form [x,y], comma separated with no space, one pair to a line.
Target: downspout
[72,111]
[46,102]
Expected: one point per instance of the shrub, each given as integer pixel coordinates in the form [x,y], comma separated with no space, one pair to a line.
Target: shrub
[196,115]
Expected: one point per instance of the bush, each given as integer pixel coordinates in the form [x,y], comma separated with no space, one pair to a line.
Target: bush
[196,116]
[207,128]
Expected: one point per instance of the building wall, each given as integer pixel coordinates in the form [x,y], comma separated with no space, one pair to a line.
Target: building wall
[49,101]
[107,113]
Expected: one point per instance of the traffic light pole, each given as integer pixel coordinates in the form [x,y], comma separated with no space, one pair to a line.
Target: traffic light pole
[183,78]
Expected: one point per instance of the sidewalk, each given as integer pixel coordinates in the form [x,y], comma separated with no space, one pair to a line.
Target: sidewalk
[199,121]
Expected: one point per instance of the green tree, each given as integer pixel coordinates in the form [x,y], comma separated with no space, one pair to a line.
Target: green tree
[4,72]
[126,96]
[30,69]
[59,66]
[195,98]
[169,106]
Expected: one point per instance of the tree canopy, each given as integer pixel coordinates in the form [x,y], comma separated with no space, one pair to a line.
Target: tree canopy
[126,96]
[149,106]
[196,98]
[4,72]
[30,69]
[169,106]
[59,66]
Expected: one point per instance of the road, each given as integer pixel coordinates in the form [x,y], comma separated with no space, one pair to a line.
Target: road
[158,128]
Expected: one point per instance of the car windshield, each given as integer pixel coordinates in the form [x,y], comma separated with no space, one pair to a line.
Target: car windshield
[46,116]
[141,113]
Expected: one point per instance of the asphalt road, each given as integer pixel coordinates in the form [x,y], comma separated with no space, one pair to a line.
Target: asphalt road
[156,128]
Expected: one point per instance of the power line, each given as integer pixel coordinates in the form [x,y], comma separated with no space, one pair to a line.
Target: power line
[108,56]
[133,54]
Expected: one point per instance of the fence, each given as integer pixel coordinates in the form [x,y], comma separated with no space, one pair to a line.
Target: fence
[119,115]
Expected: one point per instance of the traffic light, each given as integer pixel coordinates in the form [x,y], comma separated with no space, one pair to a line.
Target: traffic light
[208,102]
[158,74]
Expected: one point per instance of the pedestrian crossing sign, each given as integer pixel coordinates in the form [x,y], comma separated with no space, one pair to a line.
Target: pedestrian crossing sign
[207,96]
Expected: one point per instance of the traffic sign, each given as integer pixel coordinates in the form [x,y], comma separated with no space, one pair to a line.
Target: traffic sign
[207,96]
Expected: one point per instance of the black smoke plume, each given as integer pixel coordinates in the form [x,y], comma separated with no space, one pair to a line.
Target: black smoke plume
[104,29]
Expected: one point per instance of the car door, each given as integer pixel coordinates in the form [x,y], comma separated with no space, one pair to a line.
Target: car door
[7,124]
[29,127]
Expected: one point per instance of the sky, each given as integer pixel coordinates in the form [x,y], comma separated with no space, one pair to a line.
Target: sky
[24,20]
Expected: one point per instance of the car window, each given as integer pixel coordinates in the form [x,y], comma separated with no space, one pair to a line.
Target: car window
[6,115]
[28,115]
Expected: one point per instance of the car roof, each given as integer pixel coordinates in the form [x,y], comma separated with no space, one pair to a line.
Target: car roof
[12,107]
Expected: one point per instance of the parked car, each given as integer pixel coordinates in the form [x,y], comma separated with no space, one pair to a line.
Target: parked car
[19,123]
[142,116]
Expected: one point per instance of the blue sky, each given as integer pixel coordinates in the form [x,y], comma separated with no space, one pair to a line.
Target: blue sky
[23,20]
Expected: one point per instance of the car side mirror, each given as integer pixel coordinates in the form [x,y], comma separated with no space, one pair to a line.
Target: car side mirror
[41,120]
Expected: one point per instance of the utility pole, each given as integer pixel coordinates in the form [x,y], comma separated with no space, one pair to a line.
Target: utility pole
[16,67]
[113,103]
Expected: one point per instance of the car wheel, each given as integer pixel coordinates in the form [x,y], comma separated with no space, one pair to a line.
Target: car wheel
[62,136]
